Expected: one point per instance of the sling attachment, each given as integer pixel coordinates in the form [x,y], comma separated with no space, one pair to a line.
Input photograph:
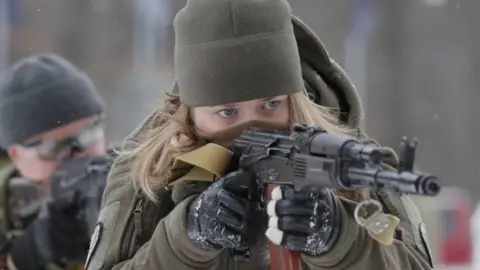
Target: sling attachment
[380,226]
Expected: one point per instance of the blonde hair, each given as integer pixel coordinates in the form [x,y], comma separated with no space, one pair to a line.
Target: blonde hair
[170,133]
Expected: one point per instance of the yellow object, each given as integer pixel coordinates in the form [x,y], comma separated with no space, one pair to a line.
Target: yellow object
[386,237]
[380,226]
[206,162]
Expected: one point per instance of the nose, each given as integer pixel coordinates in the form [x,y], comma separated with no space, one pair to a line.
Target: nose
[253,115]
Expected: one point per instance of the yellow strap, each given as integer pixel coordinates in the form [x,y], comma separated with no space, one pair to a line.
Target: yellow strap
[208,161]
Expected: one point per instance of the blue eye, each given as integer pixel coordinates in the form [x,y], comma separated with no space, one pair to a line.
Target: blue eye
[227,112]
[271,105]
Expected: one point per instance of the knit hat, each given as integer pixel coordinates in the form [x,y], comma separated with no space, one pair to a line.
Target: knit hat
[230,51]
[41,93]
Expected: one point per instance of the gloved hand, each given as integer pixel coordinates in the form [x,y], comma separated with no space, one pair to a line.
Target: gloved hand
[57,236]
[223,216]
[300,221]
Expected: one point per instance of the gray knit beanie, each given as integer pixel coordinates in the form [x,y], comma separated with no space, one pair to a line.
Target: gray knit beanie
[235,50]
[41,93]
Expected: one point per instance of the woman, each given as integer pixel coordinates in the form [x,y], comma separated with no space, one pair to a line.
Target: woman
[237,62]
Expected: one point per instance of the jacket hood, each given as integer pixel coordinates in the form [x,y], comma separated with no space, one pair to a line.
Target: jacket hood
[325,80]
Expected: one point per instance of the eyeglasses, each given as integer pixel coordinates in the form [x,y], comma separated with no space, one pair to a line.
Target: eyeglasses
[50,149]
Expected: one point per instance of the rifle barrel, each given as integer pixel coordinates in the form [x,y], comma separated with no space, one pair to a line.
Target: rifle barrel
[404,182]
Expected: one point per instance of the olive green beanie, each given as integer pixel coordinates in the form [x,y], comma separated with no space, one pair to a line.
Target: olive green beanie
[230,51]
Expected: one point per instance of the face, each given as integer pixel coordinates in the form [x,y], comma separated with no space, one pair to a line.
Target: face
[216,118]
[38,157]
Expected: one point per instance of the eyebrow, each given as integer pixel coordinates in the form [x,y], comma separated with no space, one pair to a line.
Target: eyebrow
[31,143]
[268,98]
[232,105]
[228,105]
[224,106]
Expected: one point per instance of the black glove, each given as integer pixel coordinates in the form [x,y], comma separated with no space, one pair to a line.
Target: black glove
[57,236]
[300,221]
[226,215]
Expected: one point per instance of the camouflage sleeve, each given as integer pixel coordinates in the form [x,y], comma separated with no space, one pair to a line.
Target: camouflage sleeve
[355,249]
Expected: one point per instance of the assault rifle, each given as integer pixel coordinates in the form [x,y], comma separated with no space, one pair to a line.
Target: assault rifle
[309,158]
[81,182]
[77,182]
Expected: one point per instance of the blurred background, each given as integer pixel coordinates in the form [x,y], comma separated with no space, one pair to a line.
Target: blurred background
[416,64]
